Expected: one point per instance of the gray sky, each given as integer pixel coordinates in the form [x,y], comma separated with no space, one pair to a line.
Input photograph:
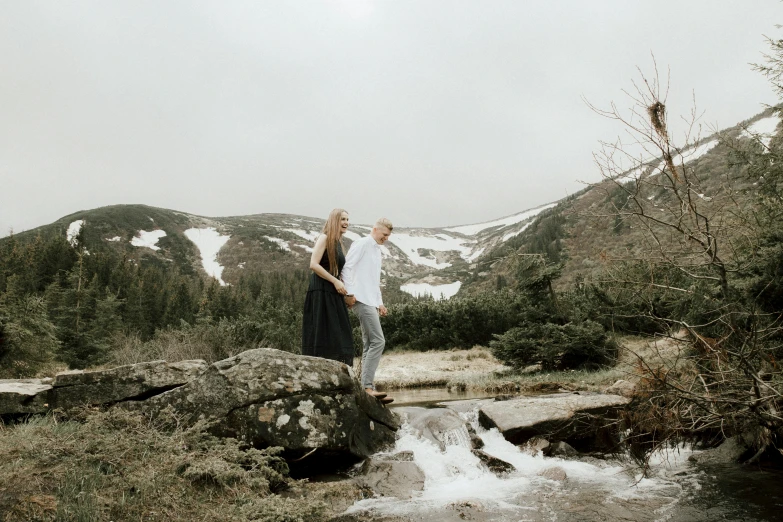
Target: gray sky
[433,113]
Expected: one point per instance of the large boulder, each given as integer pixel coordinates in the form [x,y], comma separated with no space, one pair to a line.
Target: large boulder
[559,416]
[267,397]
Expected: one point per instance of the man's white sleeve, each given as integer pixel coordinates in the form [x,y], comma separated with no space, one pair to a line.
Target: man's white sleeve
[355,253]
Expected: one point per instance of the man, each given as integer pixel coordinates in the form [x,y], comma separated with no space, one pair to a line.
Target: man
[362,278]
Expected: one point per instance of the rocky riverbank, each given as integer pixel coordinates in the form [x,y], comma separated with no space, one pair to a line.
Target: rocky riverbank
[314,409]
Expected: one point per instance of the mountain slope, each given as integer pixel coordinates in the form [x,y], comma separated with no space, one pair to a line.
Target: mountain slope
[435,261]
[225,247]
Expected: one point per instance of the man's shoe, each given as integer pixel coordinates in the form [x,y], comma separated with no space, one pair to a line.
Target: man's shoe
[386,400]
[376,394]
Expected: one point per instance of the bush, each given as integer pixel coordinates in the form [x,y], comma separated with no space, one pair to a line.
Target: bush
[265,326]
[556,347]
[27,337]
[456,323]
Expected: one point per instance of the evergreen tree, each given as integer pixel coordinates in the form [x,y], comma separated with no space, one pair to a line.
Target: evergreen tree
[27,338]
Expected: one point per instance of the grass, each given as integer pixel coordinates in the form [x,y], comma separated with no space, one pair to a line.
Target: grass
[412,369]
[117,465]
[478,370]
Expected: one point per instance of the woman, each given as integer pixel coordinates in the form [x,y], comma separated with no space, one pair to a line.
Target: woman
[326,329]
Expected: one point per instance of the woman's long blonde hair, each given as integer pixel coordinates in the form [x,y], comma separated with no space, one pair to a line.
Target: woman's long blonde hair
[332,231]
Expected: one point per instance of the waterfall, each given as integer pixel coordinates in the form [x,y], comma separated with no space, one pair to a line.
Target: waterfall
[458,485]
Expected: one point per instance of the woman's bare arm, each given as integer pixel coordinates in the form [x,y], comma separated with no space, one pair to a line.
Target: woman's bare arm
[315,266]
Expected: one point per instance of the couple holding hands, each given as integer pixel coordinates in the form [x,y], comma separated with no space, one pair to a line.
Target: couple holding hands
[340,282]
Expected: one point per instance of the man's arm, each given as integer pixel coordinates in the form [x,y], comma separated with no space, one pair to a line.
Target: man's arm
[381,309]
[355,254]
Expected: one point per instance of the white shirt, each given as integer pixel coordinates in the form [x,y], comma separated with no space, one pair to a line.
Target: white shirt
[362,271]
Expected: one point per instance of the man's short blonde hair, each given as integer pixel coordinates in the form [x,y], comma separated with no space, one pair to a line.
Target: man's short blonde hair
[384,222]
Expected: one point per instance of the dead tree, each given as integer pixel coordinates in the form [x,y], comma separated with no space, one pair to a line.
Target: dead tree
[693,241]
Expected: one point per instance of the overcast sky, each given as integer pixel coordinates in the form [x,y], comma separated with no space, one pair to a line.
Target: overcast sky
[432,113]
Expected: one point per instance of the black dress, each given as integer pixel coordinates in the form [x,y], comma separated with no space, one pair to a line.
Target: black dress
[326,329]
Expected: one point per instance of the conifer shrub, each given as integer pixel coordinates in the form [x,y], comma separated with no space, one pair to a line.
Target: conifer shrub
[27,337]
[458,322]
[556,347]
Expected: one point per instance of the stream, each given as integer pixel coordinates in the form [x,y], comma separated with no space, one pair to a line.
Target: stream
[457,486]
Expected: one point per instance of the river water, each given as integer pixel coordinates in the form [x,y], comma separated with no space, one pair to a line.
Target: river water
[458,487]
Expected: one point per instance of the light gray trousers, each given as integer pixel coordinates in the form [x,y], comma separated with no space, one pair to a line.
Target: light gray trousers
[373,341]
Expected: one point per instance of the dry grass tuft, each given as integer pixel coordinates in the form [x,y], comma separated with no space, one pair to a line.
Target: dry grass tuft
[118,465]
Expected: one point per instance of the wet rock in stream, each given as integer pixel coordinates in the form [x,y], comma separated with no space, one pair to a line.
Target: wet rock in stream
[391,478]
[441,426]
[563,416]
[560,449]
[554,473]
[534,445]
[494,464]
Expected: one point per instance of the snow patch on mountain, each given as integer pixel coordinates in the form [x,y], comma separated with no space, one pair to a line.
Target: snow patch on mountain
[764,129]
[421,247]
[73,231]
[475,255]
[437,292]
[304,234]
[412,244]
[209,242]
[512,234]
[282,243]
[472,230]
[148,239]
[694,153]
[633,174]
[687,156]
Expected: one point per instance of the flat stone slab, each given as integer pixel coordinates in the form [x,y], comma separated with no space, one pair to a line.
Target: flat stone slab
[563,415]
[21,397]
[465,405]
[134,381]
[79,388]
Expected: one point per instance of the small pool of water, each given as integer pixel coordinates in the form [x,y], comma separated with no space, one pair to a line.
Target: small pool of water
[429,397]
